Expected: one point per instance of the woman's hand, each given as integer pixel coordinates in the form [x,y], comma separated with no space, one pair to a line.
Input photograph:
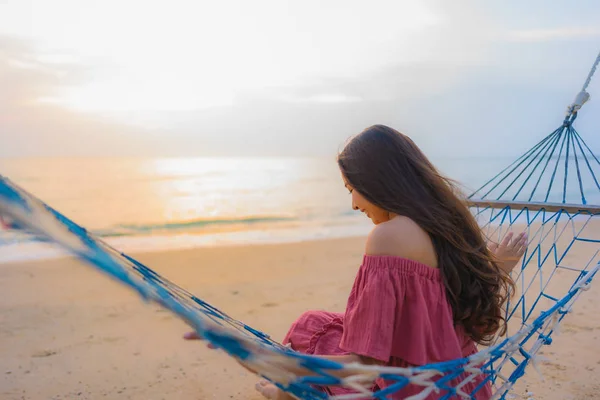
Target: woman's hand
[510,251]
[195,336]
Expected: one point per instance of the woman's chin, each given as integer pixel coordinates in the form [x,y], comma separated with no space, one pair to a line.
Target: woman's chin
[377,221]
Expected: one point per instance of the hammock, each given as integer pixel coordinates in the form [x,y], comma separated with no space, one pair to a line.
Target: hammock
[545,191]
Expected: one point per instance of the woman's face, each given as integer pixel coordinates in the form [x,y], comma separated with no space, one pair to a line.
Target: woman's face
[375,213]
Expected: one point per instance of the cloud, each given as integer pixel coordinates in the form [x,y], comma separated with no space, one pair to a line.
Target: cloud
[450,112]
[32,125]
[329,98]
[396,82]
[459,88]
[543,35]
[25,77]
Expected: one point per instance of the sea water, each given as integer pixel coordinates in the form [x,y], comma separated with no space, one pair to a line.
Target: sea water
[155,204]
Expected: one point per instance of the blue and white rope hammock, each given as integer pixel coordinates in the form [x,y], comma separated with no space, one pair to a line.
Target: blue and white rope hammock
[546,191]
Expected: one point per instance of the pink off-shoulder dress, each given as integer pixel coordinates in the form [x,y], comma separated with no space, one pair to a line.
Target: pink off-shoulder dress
[398,313]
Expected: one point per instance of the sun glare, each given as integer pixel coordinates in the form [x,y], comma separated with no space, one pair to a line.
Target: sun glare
[145,56]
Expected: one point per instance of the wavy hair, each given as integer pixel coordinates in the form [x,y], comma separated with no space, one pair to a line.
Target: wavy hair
[390,171]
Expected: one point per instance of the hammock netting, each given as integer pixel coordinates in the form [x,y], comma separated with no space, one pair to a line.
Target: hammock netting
[552,192]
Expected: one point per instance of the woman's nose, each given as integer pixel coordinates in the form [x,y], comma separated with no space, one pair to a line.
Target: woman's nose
[354,206]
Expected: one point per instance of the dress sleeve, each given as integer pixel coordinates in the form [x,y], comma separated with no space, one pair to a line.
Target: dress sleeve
[370,317]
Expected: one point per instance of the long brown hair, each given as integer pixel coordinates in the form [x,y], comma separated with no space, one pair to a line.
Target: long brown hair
[390,171]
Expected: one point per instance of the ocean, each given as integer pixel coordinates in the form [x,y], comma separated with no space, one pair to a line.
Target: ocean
[152,204]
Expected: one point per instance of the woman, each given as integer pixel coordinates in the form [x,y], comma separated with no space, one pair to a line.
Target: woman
[429,289]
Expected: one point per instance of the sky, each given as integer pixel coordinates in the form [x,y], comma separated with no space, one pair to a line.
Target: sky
[290,78]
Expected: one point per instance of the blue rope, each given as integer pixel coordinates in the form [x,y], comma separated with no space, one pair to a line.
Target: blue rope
[583,200]
[523,170]
[566,165]
[515,168]
[555,168]
[534,169]
[578,139]
[557,139]
[587,147]
[525,155]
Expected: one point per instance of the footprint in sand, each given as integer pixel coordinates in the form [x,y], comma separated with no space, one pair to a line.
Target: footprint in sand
[571,328]
[113,339]
[44,353]
[267,305]
[577,328]
[556,366]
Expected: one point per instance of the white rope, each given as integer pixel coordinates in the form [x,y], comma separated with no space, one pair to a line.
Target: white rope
[583,96]
[592,71]
[580,100]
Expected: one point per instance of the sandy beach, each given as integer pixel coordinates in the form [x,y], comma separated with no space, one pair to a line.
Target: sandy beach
[68,332]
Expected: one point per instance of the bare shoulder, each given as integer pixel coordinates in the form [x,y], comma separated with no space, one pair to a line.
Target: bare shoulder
[401,237]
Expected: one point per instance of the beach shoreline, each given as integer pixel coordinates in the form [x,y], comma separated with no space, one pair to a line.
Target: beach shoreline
[67,331]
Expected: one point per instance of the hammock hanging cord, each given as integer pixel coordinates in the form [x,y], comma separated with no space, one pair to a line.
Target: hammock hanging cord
[583,96]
